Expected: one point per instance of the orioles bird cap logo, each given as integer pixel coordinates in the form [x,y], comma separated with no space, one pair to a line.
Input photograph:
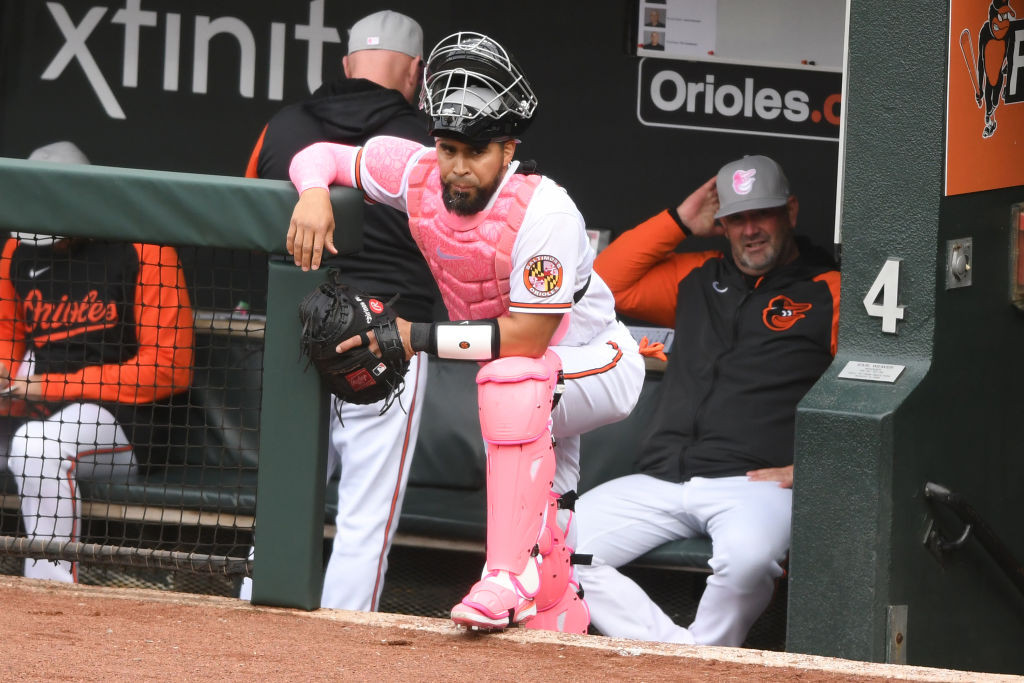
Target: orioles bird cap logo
[743,181]
[782,313]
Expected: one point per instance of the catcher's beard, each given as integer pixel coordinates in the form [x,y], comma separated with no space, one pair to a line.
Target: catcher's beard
[468,203]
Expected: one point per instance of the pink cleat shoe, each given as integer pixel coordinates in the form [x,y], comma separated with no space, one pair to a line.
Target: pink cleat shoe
[498,600]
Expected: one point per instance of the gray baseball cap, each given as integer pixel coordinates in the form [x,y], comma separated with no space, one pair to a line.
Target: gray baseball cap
[753,182]
[62,152]
[386,30]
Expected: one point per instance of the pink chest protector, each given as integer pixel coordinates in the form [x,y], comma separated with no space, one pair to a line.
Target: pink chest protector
[470,257]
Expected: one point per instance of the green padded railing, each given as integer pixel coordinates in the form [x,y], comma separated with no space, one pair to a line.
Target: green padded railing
[217,211]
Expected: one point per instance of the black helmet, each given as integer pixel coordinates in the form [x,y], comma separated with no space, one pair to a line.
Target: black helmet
[474,89]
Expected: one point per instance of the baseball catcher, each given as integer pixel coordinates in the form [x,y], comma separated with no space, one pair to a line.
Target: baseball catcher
[334,312]
[509,252]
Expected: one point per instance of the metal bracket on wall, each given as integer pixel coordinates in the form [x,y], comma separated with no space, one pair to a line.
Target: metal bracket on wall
[959,262]
[939,544]
[896,641]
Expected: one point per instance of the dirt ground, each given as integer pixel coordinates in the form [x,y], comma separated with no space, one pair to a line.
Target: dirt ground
[87,633]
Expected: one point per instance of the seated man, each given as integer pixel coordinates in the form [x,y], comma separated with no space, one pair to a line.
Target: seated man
[754,329]
[94,337]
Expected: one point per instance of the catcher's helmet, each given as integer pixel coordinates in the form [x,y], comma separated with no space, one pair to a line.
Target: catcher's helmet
[474,89]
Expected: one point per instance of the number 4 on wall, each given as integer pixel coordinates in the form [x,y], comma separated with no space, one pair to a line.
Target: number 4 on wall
[886,287]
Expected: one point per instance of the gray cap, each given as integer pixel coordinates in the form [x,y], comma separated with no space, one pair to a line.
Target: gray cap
[63,152]
[386,30]
[753,182]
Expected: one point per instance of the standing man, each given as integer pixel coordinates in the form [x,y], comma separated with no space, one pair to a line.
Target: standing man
[95,337]
[754,328]
[510,254]
[374,449]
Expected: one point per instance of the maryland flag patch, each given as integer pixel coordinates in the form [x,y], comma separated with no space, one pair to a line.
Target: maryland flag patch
[543,276]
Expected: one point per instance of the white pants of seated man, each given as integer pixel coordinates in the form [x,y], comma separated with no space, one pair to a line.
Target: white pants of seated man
[47,457]
[374,452]
[749,526]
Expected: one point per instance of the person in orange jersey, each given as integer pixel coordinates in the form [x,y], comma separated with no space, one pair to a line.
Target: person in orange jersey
[95,339]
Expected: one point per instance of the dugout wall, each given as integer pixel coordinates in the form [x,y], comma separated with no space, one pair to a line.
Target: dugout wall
[877,572]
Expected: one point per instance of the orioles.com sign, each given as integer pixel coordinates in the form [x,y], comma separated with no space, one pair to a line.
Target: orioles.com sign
[797,103]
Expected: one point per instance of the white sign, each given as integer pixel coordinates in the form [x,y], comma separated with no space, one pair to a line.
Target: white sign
[677,28]
[872,372]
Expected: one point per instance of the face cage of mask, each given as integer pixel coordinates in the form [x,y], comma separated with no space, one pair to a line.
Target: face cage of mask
[494,70]
[474,105]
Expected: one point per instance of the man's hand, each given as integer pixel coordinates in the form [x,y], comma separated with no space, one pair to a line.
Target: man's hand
[30,389]
[783,475]
[403,326]
[698,211]
[311,229]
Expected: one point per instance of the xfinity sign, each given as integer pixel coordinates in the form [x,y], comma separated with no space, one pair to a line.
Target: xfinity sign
[797,103]
[260,49]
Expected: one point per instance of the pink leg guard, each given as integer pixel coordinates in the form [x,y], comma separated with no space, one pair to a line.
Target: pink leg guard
[555,556]
[569,615]
[559,601]
[515,395]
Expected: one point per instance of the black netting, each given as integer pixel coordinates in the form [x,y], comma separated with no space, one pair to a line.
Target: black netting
[130,431]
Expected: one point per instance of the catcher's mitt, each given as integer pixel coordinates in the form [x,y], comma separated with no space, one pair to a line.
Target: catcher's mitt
[332,313]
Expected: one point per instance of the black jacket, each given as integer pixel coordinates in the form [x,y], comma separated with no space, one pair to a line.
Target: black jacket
[350,111]
[745,352]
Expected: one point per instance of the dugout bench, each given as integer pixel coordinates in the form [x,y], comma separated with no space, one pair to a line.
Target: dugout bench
[208,476]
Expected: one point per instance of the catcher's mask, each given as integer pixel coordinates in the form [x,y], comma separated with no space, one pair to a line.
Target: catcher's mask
[474,90]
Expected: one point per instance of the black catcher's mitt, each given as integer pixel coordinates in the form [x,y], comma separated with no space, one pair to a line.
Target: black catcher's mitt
[332,313]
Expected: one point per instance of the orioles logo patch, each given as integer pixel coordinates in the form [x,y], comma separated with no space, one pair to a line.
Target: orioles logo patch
[543,275]
[782,313]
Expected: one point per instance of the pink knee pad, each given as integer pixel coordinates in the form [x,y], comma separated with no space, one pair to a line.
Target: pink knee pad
[515,398]
[515,395]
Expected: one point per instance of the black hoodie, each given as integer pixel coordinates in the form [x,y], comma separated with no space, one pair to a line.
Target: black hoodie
[745,352]
[350,111]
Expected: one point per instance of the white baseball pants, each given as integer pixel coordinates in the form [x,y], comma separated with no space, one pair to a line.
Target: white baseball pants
[46,459]
[374,452]
[620,520]
[603,379]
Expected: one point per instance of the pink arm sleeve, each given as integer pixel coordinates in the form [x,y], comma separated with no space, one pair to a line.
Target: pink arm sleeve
[323,164]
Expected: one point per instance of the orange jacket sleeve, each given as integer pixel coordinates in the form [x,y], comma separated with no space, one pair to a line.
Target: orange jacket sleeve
[12,331]
[254,158]
[164,330]
[643,271]
[831,278]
